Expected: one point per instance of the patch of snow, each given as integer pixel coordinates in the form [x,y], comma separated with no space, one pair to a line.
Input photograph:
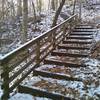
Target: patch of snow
[91,62]
[19,96]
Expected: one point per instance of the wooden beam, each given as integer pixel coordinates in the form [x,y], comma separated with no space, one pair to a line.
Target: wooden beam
[76,37]
[62,63]
[83,30]
[60,53]
[76,42]
[74,33]
[42,93]
[54,75]
[72,47]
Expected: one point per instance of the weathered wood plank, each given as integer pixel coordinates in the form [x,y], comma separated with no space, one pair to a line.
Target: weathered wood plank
[62,46]
[40,93]
[54,75]
[60,53]
[83,30]
[62,63]
[76,42]
[81,34]
[77,37]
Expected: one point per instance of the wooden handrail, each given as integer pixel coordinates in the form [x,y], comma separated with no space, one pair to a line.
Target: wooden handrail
[31,53]
[7,56]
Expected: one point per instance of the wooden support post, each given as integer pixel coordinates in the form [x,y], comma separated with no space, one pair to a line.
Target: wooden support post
[53,38]
[38,53]
[64,31]
[70,26]
[5,77]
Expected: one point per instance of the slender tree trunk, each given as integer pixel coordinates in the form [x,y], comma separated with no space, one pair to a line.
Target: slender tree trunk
[25,20]
[53,4]
[3,8]
[80,9]
[58,13]
[34,10]
[39,6]
[74,7]
[19,8]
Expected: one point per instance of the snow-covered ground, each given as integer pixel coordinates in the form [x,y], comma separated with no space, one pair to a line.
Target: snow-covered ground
[20,96]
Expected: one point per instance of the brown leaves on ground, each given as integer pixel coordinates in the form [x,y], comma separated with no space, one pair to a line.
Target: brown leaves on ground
[54,87]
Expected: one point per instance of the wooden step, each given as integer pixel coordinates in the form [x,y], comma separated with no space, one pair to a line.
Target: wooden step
[84,25]
[83,34]
[76,42]
[54,75]
[76,37]
[62,63]
[83,30]
[42,93]
[60,53]
[62,46]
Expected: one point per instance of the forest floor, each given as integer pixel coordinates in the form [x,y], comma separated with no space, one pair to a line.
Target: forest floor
[91,81]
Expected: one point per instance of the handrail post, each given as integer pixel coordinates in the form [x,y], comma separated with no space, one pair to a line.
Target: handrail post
[38,52]
[5,84]
[64,31]
[70,23]
[53,38]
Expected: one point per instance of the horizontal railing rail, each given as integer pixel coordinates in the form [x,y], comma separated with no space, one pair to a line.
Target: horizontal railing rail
[21,62]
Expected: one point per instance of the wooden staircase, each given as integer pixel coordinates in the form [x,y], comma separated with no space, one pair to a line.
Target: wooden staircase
[68,53]
[62,48]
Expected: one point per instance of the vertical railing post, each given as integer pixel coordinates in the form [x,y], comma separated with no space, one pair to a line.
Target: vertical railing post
[54,38]
[64,31]
[38,52]
[70,25]
[5,77]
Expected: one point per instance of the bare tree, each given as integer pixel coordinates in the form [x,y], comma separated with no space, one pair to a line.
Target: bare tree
[74,4]
[53,4]
[19,7]
[58,13]
[25,20]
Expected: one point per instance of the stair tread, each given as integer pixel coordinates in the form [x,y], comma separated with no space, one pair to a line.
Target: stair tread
[87,34]
[64,46]
[41,93]
[62,62]
[78,42]
[83,28]
[63,53]
[78,37]
[77,30]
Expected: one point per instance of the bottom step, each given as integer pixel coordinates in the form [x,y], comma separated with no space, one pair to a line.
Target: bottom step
[41,93]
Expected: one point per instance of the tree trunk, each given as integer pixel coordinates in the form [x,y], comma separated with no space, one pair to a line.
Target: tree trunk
[74,7]
[53,4]
[19,8]
[58,13]
[80,9]
[25,20]
[3,8]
